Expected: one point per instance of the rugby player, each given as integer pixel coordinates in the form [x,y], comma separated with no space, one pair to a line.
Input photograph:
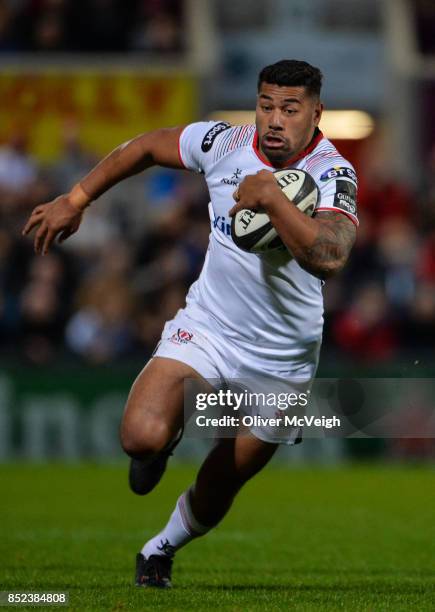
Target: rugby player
[248,315]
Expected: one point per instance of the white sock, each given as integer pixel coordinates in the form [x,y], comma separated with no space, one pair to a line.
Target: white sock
[181,528]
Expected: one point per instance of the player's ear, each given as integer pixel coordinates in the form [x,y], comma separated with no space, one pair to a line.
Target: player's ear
[318,110]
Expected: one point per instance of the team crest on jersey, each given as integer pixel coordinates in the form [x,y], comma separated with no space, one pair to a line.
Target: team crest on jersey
[234,179]
[181,336]
[339,172]
[211,135]
[345,197]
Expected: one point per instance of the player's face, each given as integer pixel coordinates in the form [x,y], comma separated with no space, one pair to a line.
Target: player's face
[285,119]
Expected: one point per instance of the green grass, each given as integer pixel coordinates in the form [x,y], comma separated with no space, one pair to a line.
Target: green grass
[351,538]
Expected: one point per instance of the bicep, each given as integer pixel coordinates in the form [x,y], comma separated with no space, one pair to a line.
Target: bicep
[162,146]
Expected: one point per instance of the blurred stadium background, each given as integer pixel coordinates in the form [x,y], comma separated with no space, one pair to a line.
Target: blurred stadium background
[78,78]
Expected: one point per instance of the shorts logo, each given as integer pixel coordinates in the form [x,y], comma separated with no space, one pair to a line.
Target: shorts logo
[211,135]
[345,197]
[338,172]
[181,336]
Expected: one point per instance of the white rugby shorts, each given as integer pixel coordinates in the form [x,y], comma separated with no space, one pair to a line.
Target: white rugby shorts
[203,347]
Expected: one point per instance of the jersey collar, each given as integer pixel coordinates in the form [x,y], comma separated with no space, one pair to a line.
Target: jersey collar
[317,137]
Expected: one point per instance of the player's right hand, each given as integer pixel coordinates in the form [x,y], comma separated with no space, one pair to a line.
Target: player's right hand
[58,218]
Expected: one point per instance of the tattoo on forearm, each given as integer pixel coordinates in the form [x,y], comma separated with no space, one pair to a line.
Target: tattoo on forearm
[332,246]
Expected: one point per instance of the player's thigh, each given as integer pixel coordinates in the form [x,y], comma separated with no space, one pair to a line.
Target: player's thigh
[155,403]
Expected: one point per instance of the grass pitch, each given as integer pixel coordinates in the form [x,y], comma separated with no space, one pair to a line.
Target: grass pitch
[349,538]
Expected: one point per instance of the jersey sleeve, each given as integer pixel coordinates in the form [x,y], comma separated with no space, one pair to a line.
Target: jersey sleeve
[338,189]
[196,142]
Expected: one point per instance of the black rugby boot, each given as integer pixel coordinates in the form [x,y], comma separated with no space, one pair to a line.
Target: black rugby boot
[154,571]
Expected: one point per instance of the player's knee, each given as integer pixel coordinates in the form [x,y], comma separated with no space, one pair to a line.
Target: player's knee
[145,440]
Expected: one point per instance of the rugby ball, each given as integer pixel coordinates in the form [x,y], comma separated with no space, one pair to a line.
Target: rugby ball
[252,231]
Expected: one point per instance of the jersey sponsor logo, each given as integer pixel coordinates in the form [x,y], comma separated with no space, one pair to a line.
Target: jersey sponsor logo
[181,336]
[345,197]
[234,180]
[338,172]
[210,137]
[222,224]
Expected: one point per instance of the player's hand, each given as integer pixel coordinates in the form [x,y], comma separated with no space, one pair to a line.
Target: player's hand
[59,218]
[255,191]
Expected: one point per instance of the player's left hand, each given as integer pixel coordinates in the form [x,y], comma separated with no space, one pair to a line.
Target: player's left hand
[255,191]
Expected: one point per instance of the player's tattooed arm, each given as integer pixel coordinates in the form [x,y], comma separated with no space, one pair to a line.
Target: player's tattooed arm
[330,249]
[321,244]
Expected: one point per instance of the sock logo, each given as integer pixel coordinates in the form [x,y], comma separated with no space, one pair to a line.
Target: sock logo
[166,548]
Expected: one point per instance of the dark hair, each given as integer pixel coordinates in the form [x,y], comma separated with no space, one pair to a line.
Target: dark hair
[292,73]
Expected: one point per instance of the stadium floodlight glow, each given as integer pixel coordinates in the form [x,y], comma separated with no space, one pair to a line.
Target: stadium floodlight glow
[347,124]
[335,124]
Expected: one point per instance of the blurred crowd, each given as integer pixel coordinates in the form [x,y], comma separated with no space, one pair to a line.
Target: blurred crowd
[423,14]
[382,307]
[106,293]
[154,26]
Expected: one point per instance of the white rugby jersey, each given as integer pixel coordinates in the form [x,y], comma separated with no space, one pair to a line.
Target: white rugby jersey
[264,303]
